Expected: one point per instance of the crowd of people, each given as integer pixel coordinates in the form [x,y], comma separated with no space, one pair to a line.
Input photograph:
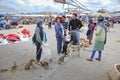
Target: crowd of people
[61,26]
[73,26]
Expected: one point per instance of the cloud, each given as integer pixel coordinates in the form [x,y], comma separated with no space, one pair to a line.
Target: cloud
[94,5]
[49,5]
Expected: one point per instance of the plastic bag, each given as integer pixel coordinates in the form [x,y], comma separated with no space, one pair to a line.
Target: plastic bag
[46,53]
[4,42]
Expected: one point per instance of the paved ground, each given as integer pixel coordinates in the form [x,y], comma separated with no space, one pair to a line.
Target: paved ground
[74,68]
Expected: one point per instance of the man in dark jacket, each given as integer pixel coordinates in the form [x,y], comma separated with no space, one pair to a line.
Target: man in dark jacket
[74,26]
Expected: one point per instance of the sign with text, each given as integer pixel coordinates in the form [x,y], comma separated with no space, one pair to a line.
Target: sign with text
[60,1]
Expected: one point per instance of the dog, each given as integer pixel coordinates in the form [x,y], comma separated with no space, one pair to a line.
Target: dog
[45,65]
[3,70]
[84,42]
[61,59]
[65,47]
[29,64]
[73,48]
[14,67]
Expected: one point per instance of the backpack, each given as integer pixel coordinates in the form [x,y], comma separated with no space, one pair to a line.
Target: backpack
[34,38]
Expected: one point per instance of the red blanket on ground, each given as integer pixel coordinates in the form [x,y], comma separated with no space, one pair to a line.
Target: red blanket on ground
[12,38]
[26,32]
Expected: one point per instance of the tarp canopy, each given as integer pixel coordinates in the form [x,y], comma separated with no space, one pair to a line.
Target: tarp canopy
[15,19]
[2,15]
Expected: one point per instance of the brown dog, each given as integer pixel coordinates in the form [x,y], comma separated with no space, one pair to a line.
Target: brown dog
[45,65]
[14,67]
[84,42]
[29,64]
[3,70]
[73,48]
[61,59]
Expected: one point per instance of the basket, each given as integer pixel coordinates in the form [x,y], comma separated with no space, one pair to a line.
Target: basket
[115,72]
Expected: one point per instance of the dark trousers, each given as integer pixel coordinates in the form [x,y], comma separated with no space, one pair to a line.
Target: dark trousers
[1,26]
[38,51]
[7,26]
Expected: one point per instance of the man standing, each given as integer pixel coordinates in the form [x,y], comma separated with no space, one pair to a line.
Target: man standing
[74,26]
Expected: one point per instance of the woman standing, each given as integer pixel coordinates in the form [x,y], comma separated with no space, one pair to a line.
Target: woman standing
[40,36]
[59,30]
[90,31]
[99,41]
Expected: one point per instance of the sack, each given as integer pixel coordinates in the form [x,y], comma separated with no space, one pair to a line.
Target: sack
[46,53]
[88,32]
[34,39]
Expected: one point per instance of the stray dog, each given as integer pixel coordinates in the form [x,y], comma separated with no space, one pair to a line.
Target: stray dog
[45,65]
[14,67]
[29,64]
[65,46]
[3,70]
[86,43]
[72,48]
[61,59]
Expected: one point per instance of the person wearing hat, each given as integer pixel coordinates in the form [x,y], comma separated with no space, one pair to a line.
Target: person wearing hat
[40,36]
[99,40]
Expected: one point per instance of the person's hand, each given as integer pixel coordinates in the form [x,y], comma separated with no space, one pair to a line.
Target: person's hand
[62,36]
[77,28]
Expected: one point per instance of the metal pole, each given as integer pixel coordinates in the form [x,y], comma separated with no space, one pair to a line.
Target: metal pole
[63,10]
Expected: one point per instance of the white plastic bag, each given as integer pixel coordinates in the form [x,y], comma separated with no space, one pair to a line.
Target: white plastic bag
[46,53]
[4,42]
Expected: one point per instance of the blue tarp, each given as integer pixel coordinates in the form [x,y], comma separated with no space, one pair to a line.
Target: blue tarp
[1,15]
[15,19]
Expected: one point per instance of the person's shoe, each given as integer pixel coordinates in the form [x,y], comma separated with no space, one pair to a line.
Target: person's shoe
[90,43]
[38,62]
[89,59]
[98,59]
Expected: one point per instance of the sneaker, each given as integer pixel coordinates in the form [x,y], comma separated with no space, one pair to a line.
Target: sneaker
[89,59]
[98,59]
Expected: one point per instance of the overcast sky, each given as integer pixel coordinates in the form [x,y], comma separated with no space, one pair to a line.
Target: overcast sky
[93,5]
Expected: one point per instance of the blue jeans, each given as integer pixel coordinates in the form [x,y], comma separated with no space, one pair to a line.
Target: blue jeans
[7,26]
[93,54]
[76,32]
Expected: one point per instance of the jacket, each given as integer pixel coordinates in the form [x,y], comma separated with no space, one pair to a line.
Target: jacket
[40,35]
[59,30]
[100,33]
[73,24]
